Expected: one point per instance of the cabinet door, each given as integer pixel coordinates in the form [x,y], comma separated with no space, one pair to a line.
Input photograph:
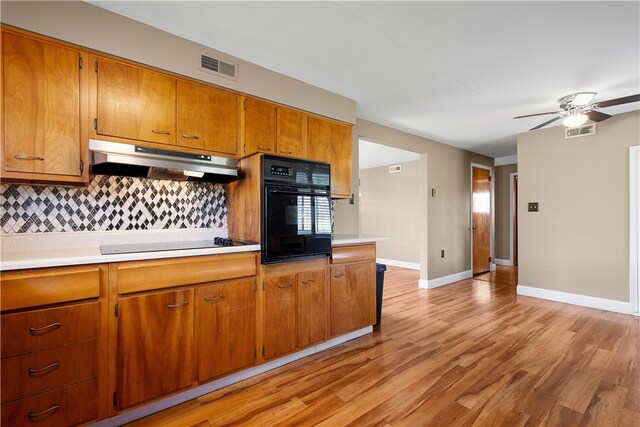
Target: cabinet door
[135,103]
[311,308]
[280,316]
[155,345]
[207,118]
[259,127]
[352,296]
[341,161]
[319,139]
[225,329]
[291,133]
[41,106]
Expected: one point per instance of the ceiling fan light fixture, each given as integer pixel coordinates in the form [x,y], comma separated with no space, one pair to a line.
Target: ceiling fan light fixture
[575,120]
[583,98]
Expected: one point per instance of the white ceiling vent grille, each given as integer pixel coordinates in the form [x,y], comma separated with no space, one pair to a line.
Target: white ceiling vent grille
[395,168]
[581,131]
[218,67]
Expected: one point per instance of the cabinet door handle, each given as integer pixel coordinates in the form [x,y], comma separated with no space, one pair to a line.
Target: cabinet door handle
[190,136]
[161,132]
[172,306]
[52,409]
[285,286]
[308,282]
[286,151]
[264,148]
[216,298]
[337,276]
[21,157]
[45,329]
[46,369]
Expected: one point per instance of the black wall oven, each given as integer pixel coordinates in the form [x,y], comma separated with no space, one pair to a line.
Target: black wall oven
[296,209]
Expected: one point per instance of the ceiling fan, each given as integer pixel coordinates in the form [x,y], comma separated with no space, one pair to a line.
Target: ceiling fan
[577,108]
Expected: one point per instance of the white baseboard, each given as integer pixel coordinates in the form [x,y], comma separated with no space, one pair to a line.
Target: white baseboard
[423,284]
[445,280]
[575,299]
[163,404]
[401,264]
[492,267]
[506,262]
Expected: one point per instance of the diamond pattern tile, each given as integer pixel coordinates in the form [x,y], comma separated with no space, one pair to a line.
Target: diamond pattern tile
[112,203]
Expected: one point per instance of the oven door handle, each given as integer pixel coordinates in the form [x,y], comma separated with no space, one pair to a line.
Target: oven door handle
[300,193]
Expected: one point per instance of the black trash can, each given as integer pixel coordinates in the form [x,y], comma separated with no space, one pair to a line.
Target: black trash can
[380,269]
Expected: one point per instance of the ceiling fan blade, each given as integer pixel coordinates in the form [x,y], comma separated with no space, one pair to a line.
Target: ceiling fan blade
[546,123]
[538,114]
[597,116]
[617,101]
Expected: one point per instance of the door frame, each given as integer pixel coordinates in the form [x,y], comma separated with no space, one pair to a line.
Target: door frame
[634,229]
[492,264]
[512,176]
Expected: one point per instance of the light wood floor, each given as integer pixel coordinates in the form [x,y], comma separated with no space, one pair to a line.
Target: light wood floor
[471,353]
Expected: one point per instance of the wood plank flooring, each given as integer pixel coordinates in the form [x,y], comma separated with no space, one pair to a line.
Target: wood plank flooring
[467,354]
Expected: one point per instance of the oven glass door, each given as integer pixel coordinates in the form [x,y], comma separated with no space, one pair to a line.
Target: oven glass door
[297,224]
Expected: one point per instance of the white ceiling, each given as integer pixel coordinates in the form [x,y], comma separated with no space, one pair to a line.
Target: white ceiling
[454,72]
[372,155]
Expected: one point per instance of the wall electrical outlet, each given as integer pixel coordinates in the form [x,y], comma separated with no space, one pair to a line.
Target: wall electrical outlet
[533,207]
[442,253]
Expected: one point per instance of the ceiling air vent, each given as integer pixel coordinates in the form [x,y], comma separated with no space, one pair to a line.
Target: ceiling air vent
[218,67]
[395,168]
[581,131]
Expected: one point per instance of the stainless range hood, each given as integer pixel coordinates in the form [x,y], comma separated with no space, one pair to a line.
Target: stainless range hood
[113,158]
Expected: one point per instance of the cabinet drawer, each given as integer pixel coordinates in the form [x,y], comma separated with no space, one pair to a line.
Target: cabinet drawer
[148,275]
[52,327]
[67,406]
[36,372]
[48,286]
[341,254]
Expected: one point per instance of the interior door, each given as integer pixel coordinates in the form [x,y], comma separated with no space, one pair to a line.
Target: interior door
[515,221]
[481,219]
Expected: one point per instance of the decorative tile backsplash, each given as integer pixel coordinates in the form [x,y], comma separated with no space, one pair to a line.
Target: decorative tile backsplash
[113,203]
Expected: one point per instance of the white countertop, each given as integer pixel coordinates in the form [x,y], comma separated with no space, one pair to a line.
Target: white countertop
[58,249]
[352,239]
[36,250]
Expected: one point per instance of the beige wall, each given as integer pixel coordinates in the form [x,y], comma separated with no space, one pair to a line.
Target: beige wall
[579,240]
[389,206]
[89,26]
[447,223]
[502,187]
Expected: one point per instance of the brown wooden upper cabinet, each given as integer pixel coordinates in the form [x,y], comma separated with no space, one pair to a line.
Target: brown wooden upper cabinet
[291,133]
[135,103]
[259,126]
[42,88]
[330,142]
[207,118]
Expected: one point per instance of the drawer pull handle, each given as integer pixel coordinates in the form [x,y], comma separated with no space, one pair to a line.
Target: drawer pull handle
[161,132]
[46,369]
[172,306]
[285,286]
[45,329]
[211,299]
[286,151]
[190,137]
[308,282]
[52,409]
[264,148]
[337,276]
[21,157]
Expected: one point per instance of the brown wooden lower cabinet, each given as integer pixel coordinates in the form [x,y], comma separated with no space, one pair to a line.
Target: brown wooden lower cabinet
[155,345]
[294,309]
[225,327]
[62,407]
[352,296]
[279,315]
